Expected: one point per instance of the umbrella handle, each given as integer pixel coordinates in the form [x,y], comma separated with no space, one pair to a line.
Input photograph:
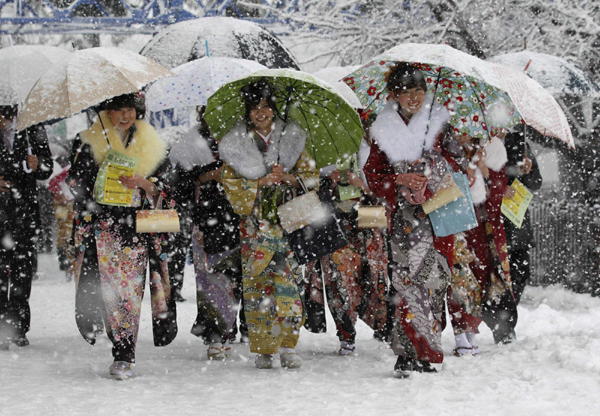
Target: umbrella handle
[25,167]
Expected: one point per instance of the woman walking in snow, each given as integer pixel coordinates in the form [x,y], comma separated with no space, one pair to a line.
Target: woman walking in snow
[215,236]
[405,168]
[264,161]
[113,258]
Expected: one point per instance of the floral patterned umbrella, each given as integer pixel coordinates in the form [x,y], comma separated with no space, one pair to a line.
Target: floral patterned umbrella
[458,81]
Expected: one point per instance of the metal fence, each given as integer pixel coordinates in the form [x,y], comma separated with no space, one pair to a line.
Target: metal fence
[567,237]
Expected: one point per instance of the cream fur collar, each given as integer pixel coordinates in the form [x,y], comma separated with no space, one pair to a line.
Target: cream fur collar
[239,151]
[401,142]
[145,144]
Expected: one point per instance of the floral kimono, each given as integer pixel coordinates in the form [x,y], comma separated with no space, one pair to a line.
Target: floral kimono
[488,243]
[271,297]
[112,258]
[419,273]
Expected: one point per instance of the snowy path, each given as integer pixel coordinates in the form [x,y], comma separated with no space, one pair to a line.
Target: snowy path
[553,369]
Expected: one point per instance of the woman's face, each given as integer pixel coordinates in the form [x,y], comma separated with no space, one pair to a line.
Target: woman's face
[123,118]
[410,100]
[261,116]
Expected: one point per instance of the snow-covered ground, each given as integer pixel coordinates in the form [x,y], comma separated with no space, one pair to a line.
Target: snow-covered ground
[553,369]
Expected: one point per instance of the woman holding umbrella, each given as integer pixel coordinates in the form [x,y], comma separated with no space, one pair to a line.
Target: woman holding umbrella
[112,261]
[405,169]
[264,163]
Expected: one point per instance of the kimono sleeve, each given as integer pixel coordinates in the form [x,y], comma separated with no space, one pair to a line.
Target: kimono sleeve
[240,192]
[306,170]
[82,174]
[161,179]
[381,176]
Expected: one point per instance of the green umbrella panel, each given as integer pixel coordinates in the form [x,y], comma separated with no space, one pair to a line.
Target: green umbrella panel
[333,128]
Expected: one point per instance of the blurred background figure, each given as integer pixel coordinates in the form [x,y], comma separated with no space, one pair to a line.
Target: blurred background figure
[24,158]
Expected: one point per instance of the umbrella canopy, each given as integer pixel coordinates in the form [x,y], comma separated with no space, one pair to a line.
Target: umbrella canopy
[21,66]
[226,37]
[333,128]
[557,75]
[334,76]
[196,81]
[458,80]
[86,78]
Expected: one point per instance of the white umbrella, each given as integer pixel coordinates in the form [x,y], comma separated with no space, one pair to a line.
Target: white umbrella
[86,78]
[555,74]
[197,80]
[21,66]
[334,76]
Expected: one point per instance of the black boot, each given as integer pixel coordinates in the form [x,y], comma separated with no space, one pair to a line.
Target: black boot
[424,367]
[404,366]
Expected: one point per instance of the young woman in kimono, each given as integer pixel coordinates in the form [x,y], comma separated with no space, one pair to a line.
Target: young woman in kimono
[355,276]
[215,236]
[264,161]
[405,168]
[488,240]
[112,258]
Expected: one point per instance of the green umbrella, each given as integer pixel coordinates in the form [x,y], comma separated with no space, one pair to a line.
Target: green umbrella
[333,127]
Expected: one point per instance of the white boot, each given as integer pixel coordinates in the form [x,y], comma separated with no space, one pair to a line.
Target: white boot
[121,370]
[264,361]
[289,358]
[471,337]
[463,347]
[347,349]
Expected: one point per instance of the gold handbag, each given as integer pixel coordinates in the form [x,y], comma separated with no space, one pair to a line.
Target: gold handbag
[372,217]
[157,221]
[447,192]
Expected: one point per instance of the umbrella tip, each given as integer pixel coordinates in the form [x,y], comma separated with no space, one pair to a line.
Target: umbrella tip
[207,50]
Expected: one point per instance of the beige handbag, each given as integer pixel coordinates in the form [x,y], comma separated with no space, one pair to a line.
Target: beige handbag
[372,217]
[301,211]
[447,192]
[157,221]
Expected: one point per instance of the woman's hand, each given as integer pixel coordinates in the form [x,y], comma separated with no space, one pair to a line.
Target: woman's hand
[527,165]
[414,181]
[336,177]
[32,162]
[137,181]
[509,192]
[4,185]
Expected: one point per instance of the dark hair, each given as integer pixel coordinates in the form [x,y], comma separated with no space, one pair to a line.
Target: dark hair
[8,111]
[404,76]
[254,93]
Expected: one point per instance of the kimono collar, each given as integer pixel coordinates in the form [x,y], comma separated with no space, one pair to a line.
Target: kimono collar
[406,142]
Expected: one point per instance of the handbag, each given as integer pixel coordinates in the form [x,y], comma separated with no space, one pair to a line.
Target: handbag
[157,221]
[321,235]
[447,192]
[300,212]
[372,217]
[458,215]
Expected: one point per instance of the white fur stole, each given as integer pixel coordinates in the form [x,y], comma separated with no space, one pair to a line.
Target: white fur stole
[496,156]
[191,150]
[238,150]
[401,142]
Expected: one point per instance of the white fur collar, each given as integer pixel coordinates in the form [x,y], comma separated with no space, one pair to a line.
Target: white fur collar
[145,144]
[401,142]
[478,189]
[496,156]
[191,150]
[239,151]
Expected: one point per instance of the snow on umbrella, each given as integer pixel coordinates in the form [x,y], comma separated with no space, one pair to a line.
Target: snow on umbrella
[459,81]
[21,66]
[333,128]
[86,78]
[226,37]
[195,81]
[334,76]
[556,75]
[538,108]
